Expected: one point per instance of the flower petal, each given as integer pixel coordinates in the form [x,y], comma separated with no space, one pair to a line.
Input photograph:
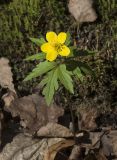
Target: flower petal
[65,51]
[51,56]
[46,47]
[61,37]
[51,37]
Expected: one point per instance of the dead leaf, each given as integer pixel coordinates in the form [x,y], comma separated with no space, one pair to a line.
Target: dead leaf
[33,111]
[96,155]
[1,119]
[9,98]
[18,144]
[109,143]
[6,80]
[95,137]
[75,154]
[100,155]
[113,138]
[27,148]
[54,130]
[52,150]
[82,10]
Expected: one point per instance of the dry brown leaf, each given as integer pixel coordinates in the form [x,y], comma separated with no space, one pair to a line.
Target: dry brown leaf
[101,156]
[98,155]
[113,138]
[54,130]
[53,149]
[33,111]
[27,148]
[75,154]
[15,149]
[1,119]
[95,137]
[109,143]
[82,10]
[9,98]
[6,80]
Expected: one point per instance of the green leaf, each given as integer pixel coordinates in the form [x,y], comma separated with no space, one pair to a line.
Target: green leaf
[40,69]
[83,52]
[51,82]
[35,57]
[68,41]
[77,72]
[72,48]
[38,41]
[73,64]
[85,68]
[44,81]
[65,78]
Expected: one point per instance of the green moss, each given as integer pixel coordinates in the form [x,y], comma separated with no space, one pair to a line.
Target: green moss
[28,18]
[107,9]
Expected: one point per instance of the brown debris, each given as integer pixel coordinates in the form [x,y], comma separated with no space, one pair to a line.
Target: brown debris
[87,118]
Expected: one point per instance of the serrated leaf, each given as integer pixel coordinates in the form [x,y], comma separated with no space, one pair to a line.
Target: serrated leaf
[51,82]
[37,56]
[44,81]
[83,53]
[38,41]
[68,41]
[77,72]
[72,48]
[73,64]
[65,78]
[85,69]
[40,69]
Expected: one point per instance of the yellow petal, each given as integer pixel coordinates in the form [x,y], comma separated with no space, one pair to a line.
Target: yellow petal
[46,47]
[51,37]
[65,51]
[61,37]
[51,56]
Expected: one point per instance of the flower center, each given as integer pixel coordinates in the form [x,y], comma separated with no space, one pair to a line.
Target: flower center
[59,47]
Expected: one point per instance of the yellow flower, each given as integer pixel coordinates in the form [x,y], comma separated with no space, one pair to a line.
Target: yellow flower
[55,45]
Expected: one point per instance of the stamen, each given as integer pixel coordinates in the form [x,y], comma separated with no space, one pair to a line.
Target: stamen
[59,47]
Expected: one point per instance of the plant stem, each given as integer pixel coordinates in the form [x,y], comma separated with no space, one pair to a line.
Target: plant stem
[71,111]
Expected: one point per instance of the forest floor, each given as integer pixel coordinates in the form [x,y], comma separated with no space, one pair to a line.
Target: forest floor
[82,126]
